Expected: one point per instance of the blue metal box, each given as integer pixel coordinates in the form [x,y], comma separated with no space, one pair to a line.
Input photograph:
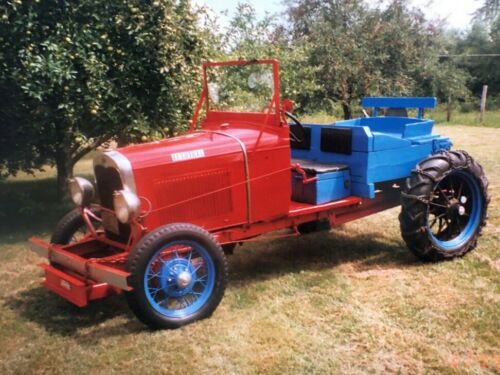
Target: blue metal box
[376,149]
[330,185]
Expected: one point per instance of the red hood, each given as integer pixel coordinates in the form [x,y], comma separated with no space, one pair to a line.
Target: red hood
[213,142]
[171,173]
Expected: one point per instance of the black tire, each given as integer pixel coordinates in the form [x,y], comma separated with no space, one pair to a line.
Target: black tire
[429,193]
[145,252]
[71,224]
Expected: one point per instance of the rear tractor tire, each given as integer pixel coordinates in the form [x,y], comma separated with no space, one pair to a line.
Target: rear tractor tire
[444,206]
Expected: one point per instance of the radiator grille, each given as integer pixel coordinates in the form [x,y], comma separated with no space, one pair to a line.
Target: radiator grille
[108,181]
[211,188]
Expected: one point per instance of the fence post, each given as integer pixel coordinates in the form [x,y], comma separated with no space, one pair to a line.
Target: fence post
[448,109]
[483,104]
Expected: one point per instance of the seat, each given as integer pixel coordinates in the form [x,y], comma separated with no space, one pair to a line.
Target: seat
[314,168]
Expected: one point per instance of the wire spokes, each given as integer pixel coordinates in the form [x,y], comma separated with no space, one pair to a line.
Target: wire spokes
[449,208]
[177,278]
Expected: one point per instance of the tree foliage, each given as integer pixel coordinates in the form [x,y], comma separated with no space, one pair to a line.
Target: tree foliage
[472,50]
[363,51]
[248,37]
[337,51]
[76,73]
[489,11]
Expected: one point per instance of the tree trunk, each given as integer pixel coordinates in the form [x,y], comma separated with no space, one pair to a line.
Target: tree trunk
[347,111]
[64,168]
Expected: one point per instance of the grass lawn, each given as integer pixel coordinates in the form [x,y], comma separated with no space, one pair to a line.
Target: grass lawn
[350,301]
[491,118]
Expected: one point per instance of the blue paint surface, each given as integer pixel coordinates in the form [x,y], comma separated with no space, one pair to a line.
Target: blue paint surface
[160,288]
[474,217]
[328,187]
[397,102]
[383,148]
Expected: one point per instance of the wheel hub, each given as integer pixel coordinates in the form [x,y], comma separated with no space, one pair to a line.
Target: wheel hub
[177,277]
[455,207]
[184,279]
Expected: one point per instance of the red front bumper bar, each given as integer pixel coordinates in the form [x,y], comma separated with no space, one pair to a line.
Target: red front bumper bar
[77,274]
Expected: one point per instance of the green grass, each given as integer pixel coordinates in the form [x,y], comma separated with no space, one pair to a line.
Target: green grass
[351,301]
[491,118]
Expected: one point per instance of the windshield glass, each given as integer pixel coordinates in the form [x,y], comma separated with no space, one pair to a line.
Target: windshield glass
[240,88]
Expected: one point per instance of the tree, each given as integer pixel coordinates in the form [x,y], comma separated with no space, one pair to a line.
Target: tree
[76,73]
[361,50]
[489,11]
[248,37]
[472,50]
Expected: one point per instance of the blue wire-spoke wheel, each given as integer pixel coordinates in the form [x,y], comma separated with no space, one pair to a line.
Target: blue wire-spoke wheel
[179,279]
[178,274]
[444,206]
[454,212]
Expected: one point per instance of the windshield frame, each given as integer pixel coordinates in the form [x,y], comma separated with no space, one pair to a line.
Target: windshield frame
[241,63]
[268,117]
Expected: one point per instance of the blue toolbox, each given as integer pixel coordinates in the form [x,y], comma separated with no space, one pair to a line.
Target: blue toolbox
[321,183]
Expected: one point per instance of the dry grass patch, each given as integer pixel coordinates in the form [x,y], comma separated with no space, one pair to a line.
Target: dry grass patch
[350,301]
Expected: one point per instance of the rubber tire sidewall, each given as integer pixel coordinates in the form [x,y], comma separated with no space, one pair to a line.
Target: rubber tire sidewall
[422,183]
[68,225]
[138,262]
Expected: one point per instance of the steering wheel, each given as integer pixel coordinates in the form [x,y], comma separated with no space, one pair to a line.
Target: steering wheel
[297,123]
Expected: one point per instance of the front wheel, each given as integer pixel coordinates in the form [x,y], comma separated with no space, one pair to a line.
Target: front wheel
[444,205]
[71,228]
[178,274]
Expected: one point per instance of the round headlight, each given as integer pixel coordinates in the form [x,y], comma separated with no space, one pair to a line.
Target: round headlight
[81,191]
[127,205]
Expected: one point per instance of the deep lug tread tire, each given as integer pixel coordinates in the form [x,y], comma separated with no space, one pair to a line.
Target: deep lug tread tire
[421,183]
[140,257]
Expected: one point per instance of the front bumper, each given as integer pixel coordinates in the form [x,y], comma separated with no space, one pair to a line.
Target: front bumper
[83,271]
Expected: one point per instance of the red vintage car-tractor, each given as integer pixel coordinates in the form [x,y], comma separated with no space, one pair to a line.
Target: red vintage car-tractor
[170,211]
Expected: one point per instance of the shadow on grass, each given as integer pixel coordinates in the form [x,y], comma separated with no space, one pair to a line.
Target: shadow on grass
[318,251]
[60,317]
[252,263]
[29,207]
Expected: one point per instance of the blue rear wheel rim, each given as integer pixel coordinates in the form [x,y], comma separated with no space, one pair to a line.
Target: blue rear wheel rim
[454,211]
[179,279]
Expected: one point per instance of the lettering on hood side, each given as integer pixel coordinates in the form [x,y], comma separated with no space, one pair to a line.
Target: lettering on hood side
[187,155]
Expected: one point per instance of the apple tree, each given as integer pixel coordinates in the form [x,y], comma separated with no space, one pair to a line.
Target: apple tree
[75,73]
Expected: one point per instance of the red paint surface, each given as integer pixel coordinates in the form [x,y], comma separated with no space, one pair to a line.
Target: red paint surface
[208,188]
